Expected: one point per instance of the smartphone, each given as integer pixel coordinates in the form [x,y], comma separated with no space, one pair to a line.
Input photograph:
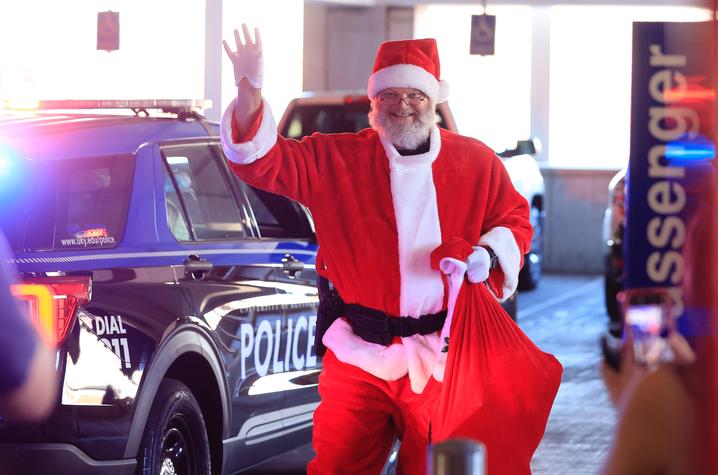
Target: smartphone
[649,329]
[647,317]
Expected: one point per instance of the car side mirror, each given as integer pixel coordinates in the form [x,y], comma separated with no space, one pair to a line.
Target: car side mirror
[531,146]
[525,147]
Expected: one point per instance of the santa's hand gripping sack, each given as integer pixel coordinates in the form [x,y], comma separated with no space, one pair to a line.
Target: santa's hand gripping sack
[382,200]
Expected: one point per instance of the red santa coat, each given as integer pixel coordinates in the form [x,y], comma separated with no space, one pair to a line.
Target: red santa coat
[378,217]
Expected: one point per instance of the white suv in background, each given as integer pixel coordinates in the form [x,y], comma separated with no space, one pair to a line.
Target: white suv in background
[346,111]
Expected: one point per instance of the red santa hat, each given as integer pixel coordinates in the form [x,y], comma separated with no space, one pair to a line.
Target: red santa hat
[409,63]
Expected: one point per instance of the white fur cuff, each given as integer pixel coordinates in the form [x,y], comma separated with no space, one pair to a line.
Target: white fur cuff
[502,241]
[258,146]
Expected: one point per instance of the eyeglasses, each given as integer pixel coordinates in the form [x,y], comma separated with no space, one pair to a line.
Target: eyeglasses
[392,98]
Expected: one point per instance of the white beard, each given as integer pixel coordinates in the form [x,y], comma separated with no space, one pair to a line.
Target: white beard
[404,136]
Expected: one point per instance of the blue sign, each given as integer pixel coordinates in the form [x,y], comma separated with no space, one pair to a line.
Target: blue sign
[671,156]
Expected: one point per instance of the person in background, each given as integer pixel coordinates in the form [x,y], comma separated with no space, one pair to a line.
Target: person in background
[664,423]
[28,380]
[657,430]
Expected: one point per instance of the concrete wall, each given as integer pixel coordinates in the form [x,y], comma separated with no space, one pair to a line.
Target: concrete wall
[354,35]
[575,203]
[340,42]
[399,23]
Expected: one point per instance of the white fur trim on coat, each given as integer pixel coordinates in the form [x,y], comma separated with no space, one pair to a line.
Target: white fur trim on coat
[421,354]
[417,355]
[503,242]
[385,362]
[417,223]
[408,75]
[422,289]
[245,153]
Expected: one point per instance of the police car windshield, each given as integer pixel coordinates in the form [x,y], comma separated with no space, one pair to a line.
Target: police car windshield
[68,204]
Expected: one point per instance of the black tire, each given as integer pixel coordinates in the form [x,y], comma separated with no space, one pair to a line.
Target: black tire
[511,306]
[175,439]
[612,285]
[530,274]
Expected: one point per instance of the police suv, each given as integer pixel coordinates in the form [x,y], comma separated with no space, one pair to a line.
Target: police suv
[181,302]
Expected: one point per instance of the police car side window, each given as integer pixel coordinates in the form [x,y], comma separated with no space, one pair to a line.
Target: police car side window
[202,195]
[71,204]
[277,216]
[176,218]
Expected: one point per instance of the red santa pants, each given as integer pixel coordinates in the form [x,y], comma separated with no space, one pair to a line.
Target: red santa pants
[358,417]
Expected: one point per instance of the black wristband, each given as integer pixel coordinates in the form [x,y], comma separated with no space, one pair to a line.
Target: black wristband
[493,258]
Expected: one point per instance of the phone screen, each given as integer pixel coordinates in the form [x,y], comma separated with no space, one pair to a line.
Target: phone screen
[648,327]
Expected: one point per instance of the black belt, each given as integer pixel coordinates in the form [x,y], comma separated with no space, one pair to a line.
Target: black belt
[368,324]
[377,327]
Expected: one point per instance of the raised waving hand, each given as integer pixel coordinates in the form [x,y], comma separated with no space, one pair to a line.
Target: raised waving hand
[247,59]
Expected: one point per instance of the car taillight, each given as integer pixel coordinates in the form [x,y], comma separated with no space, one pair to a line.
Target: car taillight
[52,303]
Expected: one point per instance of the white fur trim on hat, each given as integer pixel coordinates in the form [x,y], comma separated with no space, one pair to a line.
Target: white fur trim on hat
[245,153]
[408,75]
[443,91]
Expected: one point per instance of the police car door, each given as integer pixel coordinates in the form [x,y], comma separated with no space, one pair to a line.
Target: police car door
[288,226]
[231,282]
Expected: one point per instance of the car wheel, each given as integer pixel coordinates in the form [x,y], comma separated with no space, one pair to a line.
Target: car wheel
[531,271]
[612,285]
[175,439]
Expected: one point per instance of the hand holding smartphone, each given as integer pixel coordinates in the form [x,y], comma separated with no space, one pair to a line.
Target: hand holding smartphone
[648,325]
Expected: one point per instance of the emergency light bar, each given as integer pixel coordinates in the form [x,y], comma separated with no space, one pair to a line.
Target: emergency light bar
[163,104]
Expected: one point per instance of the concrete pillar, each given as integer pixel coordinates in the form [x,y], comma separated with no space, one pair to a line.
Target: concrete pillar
[540,75]
[213,58]
[315,70]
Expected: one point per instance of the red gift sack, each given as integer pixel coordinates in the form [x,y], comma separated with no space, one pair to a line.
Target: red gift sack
[498,387]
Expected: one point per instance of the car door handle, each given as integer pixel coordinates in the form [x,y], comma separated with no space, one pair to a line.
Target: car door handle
[291,266]
[196,266]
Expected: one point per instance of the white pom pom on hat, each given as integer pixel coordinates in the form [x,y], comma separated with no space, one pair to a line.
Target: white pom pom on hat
[409,63]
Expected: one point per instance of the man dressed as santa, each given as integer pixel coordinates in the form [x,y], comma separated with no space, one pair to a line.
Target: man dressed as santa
[382,200]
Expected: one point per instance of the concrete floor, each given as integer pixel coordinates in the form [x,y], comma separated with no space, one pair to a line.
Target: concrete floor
[564,316]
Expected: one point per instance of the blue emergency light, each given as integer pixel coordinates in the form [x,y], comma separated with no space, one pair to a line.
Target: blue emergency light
[691,150]
[12,173]
[4,164]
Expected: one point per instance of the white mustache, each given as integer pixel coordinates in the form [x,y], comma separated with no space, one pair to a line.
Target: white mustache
[404,136]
